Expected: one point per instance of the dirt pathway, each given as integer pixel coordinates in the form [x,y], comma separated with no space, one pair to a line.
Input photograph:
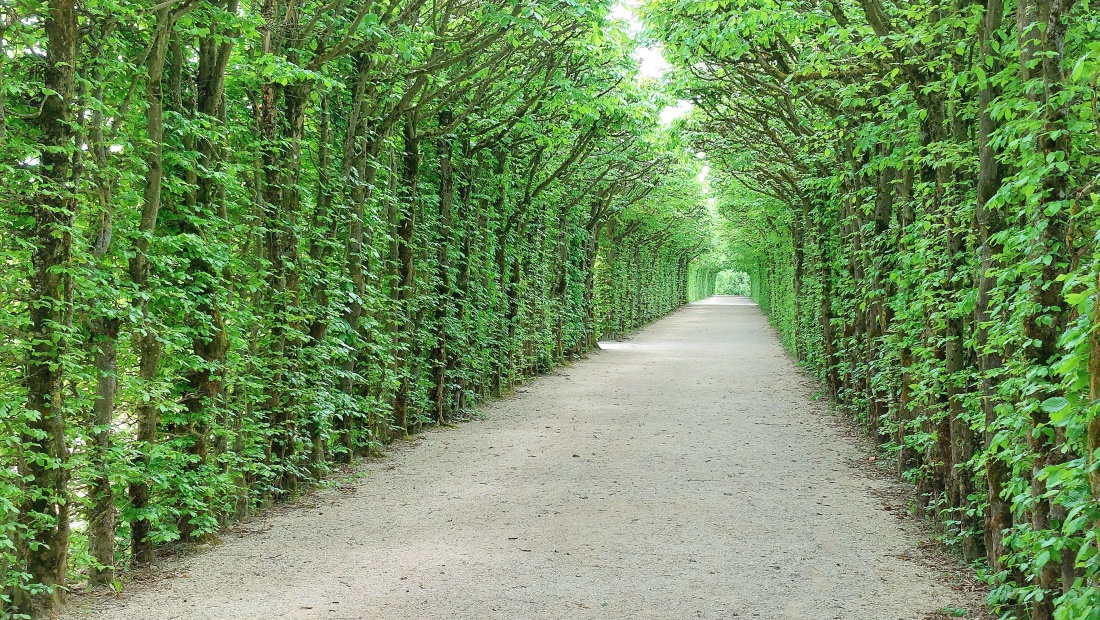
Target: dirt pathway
[685,473]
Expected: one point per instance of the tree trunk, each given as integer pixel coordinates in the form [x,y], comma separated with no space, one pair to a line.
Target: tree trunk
[406,273]
[990,220]
[102,516]
[210,345]
[146,338]
[445,301]
[361,167]
[103,329]
[1046,324]
[878,399]
[44,510]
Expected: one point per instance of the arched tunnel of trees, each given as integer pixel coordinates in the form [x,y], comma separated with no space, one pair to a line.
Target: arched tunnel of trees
[248,242]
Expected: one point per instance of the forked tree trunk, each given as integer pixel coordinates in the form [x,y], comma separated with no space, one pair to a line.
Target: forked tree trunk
[103,330]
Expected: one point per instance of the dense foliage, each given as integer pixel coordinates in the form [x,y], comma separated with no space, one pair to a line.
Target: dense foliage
[244,241]
[912,187]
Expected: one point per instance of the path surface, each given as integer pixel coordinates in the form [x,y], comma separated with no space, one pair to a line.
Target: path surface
[685,473]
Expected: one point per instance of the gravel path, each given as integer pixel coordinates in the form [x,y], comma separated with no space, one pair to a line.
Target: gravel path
[685,473]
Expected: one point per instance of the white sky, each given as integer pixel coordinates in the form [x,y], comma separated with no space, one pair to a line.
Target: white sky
[651,62]
[674,112]
[625,10]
